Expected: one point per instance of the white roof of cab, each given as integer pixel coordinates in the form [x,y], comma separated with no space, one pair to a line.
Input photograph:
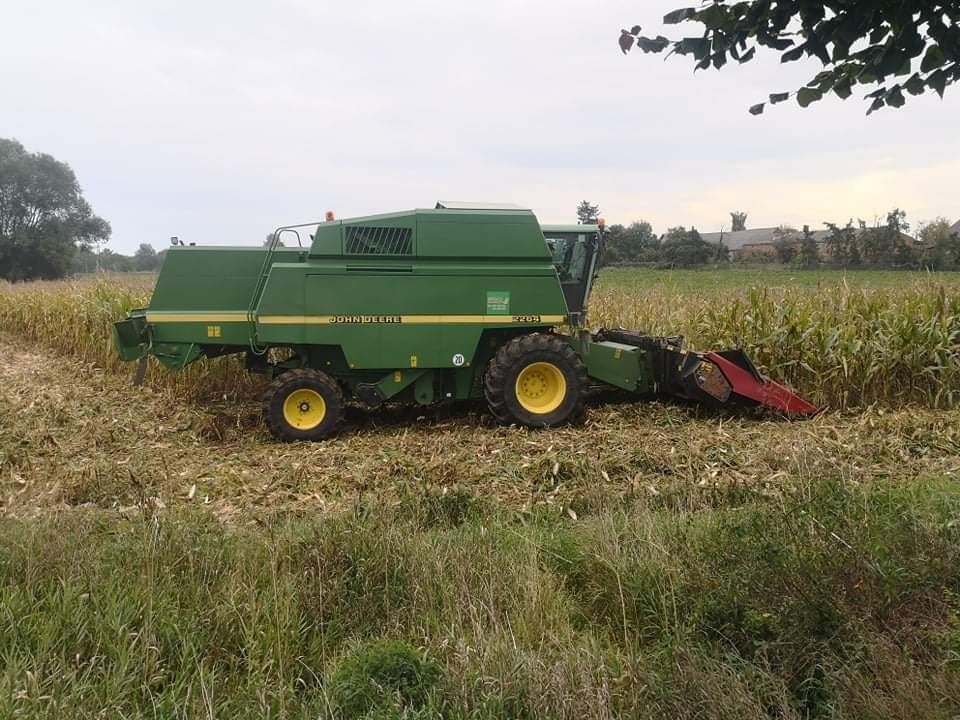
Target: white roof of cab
[461,205]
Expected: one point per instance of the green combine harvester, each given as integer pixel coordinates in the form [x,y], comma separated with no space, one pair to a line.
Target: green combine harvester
[462,301]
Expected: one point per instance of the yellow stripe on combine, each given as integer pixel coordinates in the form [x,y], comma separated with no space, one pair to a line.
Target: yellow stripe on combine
[409,319]
[178,317]
[358,319]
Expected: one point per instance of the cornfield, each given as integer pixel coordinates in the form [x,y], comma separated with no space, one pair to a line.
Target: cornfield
[841,346]
[76,317]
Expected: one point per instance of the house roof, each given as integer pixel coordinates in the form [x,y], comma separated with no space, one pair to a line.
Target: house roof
[569,229]
[758,236]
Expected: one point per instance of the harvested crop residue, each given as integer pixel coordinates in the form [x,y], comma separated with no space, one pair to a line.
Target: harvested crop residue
[74,435]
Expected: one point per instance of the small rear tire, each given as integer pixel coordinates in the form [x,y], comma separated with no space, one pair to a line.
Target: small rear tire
[536,380]
[303,404]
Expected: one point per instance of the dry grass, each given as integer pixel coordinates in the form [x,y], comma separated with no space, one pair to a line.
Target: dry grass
[73,435]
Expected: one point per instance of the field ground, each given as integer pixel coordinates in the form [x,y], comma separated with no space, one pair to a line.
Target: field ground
[160,556]
[76,436]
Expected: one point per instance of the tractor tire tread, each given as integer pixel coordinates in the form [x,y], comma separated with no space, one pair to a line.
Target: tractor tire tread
[511,357]
[272,404]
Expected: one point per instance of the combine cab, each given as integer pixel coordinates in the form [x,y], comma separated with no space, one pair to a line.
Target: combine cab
[457,302]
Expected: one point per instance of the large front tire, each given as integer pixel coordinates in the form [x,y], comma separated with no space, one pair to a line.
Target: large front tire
[536,380]
[303,405]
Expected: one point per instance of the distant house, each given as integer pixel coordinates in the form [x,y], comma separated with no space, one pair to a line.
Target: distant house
[956,227]
[758,244]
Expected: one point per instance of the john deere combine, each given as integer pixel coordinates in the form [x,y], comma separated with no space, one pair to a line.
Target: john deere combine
[460,301]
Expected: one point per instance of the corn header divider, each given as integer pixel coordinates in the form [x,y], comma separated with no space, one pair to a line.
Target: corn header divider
[460,301]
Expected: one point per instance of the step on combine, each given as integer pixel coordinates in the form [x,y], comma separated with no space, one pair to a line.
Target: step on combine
[461,301]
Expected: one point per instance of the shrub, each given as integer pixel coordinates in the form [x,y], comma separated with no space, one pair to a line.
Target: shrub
[381,676]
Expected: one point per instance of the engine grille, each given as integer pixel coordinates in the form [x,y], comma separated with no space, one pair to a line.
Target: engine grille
[379,241]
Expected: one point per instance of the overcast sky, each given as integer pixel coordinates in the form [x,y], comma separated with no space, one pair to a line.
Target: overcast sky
[218,121]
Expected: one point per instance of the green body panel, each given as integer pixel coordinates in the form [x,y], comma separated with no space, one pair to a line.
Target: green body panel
[382,316]
[623,366]
[128,337]
[480,234]
[393,383]
[488,234]
[426,289]
[212,278]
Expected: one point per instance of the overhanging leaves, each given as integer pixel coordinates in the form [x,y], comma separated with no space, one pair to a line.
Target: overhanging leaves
[794,54]
[654,45]
[806,96]
[938,81]
[933,59]
[843,88]
[698,47]
[678,16]
[915,85]
[857,41]
[895,98]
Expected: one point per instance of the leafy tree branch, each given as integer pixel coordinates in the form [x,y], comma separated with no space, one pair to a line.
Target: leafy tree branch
[897,48]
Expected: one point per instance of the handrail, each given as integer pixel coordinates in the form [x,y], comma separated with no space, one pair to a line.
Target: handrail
[262,279]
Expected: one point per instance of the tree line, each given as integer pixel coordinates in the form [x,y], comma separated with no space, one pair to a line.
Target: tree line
[145,259]
[637,244]
[44,218]
[885,244]
[48,229]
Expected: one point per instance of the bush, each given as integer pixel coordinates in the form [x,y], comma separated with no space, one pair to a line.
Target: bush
[682,248]
[382,676]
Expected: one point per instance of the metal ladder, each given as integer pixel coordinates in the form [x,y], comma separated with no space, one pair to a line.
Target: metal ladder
[258,289]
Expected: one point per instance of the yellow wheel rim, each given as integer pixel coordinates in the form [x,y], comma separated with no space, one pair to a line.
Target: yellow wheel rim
[304,409]
[541,388]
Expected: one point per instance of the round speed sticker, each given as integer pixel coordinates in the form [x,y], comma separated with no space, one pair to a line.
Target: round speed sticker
[458,360]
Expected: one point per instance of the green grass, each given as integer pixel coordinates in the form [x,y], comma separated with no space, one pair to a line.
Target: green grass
[835,601]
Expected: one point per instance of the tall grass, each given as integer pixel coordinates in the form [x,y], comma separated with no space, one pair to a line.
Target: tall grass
[842,344]
[836,602]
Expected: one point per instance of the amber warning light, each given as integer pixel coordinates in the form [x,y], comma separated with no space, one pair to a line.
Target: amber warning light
[601,223]
[330,217]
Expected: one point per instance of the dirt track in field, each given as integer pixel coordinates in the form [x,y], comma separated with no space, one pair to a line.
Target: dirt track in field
[75,436]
